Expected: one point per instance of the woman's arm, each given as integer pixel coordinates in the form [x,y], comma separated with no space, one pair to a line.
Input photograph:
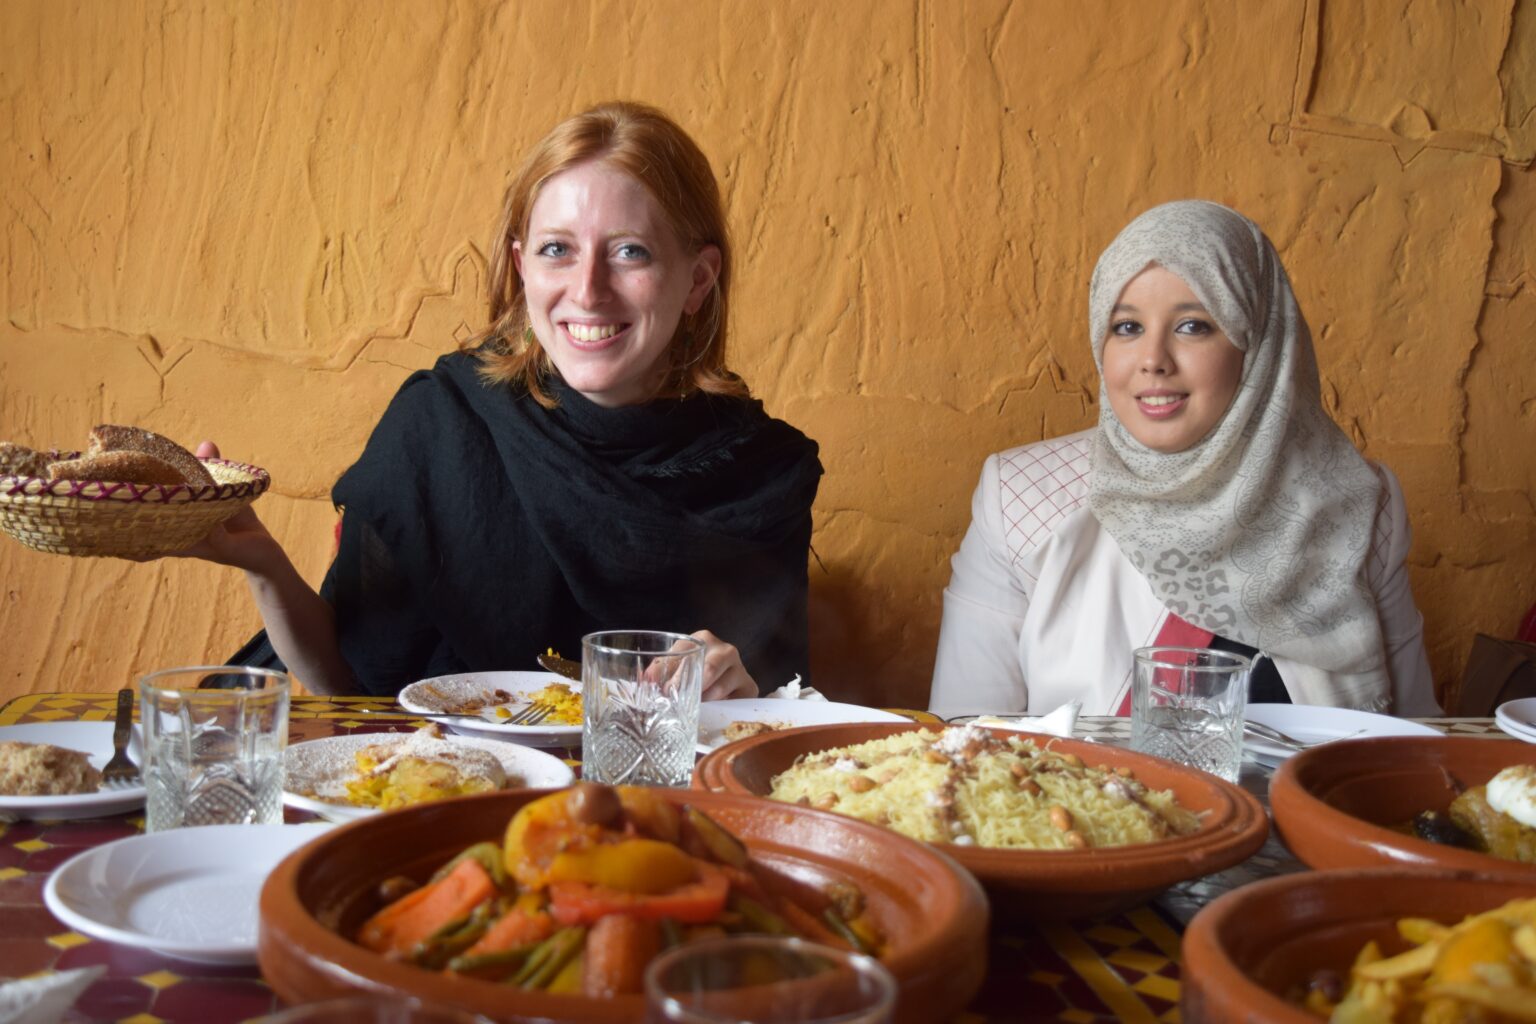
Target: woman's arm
[300,623]
[978,669]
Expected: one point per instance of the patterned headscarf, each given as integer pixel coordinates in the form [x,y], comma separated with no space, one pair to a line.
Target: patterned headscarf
[1259,532]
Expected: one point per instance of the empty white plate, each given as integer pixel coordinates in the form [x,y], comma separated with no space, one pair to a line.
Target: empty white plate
[1311,723]
[189,893]
[1518,718]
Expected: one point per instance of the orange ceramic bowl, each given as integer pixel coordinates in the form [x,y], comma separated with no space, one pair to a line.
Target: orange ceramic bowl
[1246,950]
[1043,885]
[1336,805]
[932,913]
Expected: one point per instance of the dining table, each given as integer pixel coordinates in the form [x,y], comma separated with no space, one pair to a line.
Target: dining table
[1124,967]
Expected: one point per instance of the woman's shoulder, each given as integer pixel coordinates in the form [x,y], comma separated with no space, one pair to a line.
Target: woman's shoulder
[1036,486]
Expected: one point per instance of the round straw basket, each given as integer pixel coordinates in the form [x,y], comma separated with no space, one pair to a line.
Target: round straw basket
[100,518]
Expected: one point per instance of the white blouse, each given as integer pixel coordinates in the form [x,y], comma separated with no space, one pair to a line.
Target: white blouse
[1042,607]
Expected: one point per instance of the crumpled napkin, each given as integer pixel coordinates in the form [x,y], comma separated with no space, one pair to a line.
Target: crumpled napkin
[792,690]
[1060,722]
[43,1000]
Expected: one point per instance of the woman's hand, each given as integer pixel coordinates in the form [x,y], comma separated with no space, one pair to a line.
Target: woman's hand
[240,541]
[724,674]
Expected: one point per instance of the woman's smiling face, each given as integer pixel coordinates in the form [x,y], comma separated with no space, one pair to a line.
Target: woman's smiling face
[607,280]
[1169,371]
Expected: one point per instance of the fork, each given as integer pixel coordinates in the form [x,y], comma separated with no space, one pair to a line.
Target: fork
[121,772]
[533,714]
[1276,736]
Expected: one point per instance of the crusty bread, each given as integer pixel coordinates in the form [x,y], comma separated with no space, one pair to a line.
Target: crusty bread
[19,460]
[118,467]
[42,769]
[110,438]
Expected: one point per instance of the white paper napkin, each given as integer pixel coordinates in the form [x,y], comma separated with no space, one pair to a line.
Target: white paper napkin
[43,1000]
[1060,722]
[792,690]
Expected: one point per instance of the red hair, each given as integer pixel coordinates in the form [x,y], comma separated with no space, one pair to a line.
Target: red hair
[648,146]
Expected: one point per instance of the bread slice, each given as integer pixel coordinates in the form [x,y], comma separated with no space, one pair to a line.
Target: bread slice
[19,460]
[118,467]
[109,438]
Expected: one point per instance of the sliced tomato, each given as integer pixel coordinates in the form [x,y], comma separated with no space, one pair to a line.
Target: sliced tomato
[697,902]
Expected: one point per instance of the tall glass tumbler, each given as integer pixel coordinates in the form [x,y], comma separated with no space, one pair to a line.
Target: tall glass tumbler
[1187,706]
[640,707]
[766,979]
[213,746]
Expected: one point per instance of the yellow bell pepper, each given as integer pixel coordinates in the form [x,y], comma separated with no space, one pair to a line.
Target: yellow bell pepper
[632,865]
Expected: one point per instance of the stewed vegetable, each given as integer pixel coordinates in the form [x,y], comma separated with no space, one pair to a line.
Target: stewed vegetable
[593,881]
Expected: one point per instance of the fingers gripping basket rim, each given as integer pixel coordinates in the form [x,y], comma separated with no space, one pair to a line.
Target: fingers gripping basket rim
[103,518]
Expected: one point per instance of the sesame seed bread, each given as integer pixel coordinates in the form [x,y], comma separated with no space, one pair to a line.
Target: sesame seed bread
[19,460]
[118,467]
[108,437]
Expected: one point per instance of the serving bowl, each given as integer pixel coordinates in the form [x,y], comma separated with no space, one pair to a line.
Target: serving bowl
[1246,950]
[1337,805]
[1042,885]
[932,913]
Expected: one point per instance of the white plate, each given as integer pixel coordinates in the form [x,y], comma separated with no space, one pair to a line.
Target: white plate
[93,739]
[308,767]
[189,893]
[1314,724]
[416,699]
[1518,718]
[716,715]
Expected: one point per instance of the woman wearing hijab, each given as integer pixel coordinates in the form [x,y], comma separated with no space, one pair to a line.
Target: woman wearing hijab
[1215,505]
[591,464]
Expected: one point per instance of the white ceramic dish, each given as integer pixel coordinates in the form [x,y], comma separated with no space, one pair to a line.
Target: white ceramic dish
[1518,718]
[418,699]
[716,715]
[317,765]
[189,893]
[1315,724]
[91,738]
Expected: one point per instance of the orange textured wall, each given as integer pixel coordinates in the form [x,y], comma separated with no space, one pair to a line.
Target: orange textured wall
[250,220]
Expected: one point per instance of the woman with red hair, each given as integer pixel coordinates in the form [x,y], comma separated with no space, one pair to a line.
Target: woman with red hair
[590,463]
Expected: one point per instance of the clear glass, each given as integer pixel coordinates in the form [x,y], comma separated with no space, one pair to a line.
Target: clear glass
[640,707]
[759,979]
[366,1010]
[213,746]
[1187,706]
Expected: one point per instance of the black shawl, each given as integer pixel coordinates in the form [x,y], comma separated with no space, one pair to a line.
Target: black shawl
[480,528]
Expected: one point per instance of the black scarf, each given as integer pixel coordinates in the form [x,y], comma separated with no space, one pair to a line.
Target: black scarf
[481,528]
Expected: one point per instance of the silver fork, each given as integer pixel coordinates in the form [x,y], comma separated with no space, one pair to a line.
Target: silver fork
[121,772]
[533,714]
[1276,736]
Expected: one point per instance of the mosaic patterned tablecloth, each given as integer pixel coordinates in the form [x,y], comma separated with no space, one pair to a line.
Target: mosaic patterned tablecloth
[1125,968]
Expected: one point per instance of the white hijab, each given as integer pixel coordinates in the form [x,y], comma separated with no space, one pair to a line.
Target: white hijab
[1260,532]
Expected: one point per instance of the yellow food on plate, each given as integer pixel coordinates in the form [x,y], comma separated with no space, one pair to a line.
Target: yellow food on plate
[419,769]
[565,701]
[42,769]
[1480,971]
[967,786]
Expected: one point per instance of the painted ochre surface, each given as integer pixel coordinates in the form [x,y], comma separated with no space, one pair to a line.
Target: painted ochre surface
[249,221]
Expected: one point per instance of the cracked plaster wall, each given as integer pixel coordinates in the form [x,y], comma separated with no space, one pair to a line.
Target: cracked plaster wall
[249,220]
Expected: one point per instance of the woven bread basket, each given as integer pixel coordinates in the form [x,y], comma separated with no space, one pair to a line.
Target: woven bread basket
[99,518]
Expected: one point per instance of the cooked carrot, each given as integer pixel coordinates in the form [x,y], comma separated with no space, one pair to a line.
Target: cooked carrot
[618,948]
[515,928]
[398,928]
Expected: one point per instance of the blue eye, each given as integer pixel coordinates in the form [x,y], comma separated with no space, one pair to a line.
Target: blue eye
[633,251]
[554,250]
